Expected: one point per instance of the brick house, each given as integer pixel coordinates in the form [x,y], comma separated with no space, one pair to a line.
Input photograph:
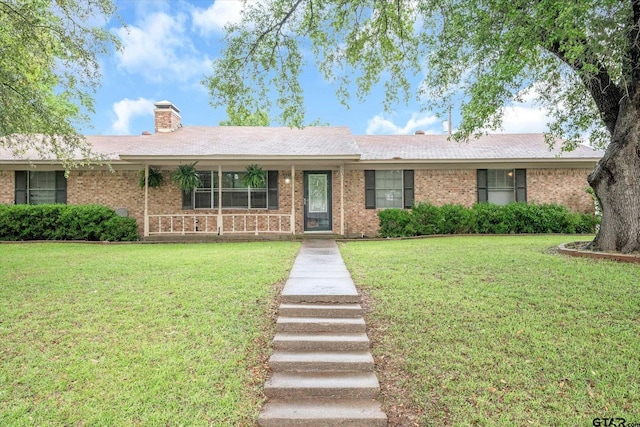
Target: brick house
[319,179]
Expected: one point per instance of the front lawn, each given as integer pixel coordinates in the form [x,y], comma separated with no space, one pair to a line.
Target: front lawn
[500,331]
[136,334]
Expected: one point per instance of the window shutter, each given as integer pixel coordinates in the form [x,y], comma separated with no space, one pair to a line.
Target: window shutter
[483,184]
[272,190]
[61,187]
[187,199]
[521,185]
[369,189]
[21,188]
[408,188]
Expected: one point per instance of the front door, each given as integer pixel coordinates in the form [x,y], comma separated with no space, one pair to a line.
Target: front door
[317,201]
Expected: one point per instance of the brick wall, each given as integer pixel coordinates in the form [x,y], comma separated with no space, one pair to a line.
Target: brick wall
[446,186]
[7,187]
[166,120]
[120,190]
[117,189]
[562,186]
[458,186]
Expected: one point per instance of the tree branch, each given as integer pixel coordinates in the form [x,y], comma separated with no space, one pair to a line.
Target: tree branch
[277,26]
[634,45]
[604,91]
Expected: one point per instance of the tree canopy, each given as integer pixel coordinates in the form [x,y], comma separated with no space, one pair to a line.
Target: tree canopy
[477,55]
[49,71]
[581,57]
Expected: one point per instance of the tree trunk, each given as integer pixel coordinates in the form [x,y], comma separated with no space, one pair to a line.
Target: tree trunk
[616,182]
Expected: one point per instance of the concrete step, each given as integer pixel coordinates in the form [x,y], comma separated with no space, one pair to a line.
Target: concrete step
[320,342]
[322,412]
[320,324]
[332,385]
[320,310]
[320,290]
[321,361]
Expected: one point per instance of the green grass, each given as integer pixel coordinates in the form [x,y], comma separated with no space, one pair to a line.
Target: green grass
[500,331]
[136,334]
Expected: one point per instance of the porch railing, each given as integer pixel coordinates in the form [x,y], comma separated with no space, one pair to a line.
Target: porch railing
[220,224]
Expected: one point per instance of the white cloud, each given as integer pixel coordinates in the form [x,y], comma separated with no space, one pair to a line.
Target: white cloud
[216,16]
[378,125]
[127,109]
[159,49]
[525,116]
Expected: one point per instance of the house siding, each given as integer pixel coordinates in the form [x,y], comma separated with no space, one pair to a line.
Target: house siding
[561,186]
[458,186]
[120,189]
[7,187]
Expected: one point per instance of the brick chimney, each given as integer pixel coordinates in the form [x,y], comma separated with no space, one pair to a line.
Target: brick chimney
[167,116]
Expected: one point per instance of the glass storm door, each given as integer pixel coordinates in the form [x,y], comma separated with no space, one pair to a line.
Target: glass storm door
[317,201]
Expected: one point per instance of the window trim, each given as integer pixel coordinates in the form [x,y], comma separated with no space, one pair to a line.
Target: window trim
[519,185]
[407,189]
[270,191]
[22,187]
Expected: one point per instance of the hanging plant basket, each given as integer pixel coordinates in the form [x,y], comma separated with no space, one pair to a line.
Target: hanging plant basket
[186,177]
[254,177]
[155,178]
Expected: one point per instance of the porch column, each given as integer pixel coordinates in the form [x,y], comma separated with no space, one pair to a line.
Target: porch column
[342,199]
[146,200]
[293,199]
[220,222]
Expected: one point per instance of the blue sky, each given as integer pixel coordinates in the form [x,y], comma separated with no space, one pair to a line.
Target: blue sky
[168,49]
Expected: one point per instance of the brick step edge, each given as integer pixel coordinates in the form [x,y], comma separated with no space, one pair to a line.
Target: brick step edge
[300,385]
[320,342]
[320,324]
[320,310]
[314,361]
[315,412]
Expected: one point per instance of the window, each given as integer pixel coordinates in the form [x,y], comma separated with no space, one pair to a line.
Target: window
[388,189]
[37,188]
[235,195]
[502,186]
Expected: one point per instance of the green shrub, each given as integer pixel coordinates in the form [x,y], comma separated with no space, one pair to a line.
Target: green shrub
[63,222]
[85,222]
[119,229]
[587,223]
[487,218]
[394,223]
[425,219]
[484,218]
[455,220]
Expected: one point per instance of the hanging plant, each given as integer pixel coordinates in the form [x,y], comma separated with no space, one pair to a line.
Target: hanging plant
[155,178]
[254,177]
[186,177]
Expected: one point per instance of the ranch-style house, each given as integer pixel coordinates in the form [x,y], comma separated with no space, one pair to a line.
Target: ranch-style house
[317,179]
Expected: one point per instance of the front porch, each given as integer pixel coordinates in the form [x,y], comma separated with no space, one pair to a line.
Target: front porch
[297,202]
[219,224]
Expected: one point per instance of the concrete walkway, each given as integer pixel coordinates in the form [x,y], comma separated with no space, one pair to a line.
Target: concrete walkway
[322,369]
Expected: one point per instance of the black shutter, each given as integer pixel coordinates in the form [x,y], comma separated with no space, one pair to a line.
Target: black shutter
[408,188]
[483,184]
[521,185]
[369,189]
[61,187]
[187,199]
[21,188]
[272,190]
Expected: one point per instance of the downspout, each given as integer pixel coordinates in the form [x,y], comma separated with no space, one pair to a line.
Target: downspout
[220,220]
[146,200]
[342,199]
[293,199]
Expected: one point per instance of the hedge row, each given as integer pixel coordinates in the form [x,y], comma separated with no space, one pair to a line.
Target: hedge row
[65,222]
[484,218]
